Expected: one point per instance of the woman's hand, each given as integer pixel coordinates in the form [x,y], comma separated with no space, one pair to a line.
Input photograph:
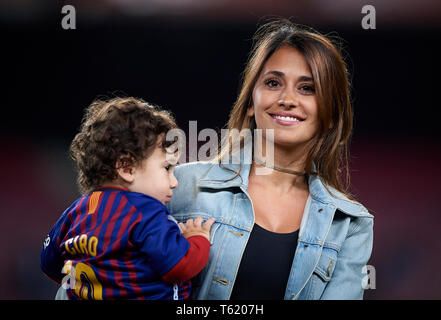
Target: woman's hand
[195,228]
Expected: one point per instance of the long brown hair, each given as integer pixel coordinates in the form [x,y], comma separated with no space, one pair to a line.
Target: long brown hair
[329,152]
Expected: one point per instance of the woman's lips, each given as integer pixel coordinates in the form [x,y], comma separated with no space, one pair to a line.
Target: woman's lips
[286,121]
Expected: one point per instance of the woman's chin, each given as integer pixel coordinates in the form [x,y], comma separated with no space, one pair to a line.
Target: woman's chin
[280,141]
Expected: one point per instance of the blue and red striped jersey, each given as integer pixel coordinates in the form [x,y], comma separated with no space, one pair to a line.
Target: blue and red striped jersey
[115,244]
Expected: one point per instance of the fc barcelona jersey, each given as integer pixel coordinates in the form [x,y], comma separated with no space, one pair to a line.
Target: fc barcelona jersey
[115,244]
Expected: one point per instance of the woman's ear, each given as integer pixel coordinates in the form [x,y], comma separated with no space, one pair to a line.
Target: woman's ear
[250,111]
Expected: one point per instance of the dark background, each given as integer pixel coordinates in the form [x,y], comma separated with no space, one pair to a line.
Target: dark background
[187,56]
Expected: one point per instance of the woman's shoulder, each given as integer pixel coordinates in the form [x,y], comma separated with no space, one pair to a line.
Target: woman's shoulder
[349,205]
[193,170]
[323,192]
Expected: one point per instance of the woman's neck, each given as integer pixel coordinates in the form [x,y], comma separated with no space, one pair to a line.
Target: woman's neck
[292,158]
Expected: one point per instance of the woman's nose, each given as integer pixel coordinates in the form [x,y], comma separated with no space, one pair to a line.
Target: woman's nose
[287,100]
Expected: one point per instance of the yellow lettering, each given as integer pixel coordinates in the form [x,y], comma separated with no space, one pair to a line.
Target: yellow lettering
[70,250]
[83,243]
[93,243]
[84,273]
[75,240]
[67,267]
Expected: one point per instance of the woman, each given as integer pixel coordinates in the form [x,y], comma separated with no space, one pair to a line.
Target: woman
[294,233]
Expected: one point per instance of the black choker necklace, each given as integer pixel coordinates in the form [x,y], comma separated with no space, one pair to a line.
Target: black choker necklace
[262,163]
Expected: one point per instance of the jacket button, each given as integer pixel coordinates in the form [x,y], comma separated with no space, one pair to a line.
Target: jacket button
[305,246]
[320,210]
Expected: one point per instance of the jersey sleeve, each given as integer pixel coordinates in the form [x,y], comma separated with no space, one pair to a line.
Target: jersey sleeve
[159,237]
[192,263]
[51,261]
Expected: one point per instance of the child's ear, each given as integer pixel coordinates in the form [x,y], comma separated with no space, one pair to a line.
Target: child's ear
[127,174]
[125,171]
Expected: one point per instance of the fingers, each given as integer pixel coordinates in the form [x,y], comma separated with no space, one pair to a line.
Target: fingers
[197,223]
[189,223]
[182,226]
[196,227]
[208,224]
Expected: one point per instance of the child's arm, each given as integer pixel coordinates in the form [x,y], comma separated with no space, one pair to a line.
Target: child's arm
[197,255]
[51,262]
[160,238]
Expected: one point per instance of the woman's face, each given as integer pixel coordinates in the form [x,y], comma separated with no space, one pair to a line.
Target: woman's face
[284,98]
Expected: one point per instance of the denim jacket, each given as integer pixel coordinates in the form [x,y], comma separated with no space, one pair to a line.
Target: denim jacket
[335,236]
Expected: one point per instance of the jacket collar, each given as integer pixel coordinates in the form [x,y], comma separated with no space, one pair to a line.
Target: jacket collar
[225,175]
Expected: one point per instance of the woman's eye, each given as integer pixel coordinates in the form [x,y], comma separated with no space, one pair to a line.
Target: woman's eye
[167,167]
[271,83]
[309,89]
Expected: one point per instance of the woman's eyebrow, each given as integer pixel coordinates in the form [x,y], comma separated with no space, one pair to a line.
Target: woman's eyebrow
[277,73]
[306,78]
[282,75]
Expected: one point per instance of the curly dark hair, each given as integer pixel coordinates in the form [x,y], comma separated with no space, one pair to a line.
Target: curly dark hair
[117,132]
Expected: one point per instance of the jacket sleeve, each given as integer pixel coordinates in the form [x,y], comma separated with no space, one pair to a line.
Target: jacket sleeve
[347,279]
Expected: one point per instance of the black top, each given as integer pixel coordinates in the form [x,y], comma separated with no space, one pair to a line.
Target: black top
[266,263]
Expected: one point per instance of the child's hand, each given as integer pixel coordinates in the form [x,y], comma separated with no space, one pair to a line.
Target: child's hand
[195,228]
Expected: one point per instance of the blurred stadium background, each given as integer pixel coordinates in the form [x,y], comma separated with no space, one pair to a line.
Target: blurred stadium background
[187,55]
